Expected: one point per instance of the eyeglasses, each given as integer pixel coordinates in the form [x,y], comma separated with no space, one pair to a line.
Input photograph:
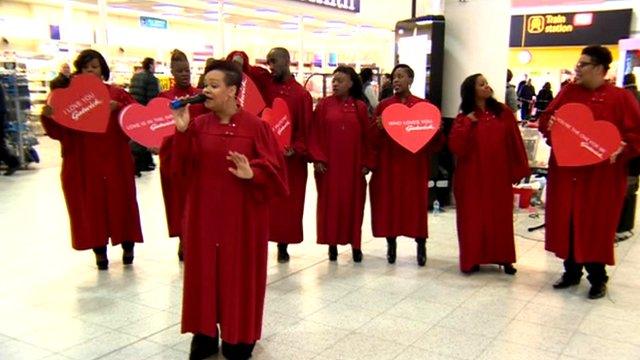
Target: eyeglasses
[582,64]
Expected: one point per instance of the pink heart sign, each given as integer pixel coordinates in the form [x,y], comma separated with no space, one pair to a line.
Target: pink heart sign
[279,118]
[83,105]
[579,140]
[148,125]
[411,127]
[249,96]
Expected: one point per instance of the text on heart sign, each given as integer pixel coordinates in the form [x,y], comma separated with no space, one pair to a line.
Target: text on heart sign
[586,142]
[78,108]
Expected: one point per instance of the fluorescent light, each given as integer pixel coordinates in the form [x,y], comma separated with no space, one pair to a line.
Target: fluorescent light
[169,9]
[248,25]
[265,11]
[289,26]
[335,24]
[211,14]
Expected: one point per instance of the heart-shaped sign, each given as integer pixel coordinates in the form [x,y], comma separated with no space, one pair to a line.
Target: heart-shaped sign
[83,105]
[148,125]
[279,118]
[411,127]
[249,96]
[578,140]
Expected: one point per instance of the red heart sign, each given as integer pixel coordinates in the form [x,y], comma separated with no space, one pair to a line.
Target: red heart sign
[148,125]
[578,140]
[411,127]
[249,96]
[84,105]
[279,118]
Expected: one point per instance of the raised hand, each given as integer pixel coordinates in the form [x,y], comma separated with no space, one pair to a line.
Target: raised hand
[617,153]
[319,167]
[242,170]
[181,118]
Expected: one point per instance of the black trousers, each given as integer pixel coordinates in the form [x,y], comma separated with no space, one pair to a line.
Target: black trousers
[597,274]
[5,156]
[628,215]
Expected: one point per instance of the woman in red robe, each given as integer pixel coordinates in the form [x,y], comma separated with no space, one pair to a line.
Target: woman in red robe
[490,156]
[398,187]
[286,213]
[584,203]
[98,175]
[172,181]
[233,166]
[337,148]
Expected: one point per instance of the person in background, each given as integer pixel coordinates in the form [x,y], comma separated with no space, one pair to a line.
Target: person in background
[511,99]
[386,89]
[97,174]
[584,203]
[366,75]
[12,162]
[172,181]
[399,197]
[208,62]
[490,157]
[234,166]
[337,147]
[144,87]
[544,98]
[525,96]
[286,213]
[63,78]
[628,216]
[259,75]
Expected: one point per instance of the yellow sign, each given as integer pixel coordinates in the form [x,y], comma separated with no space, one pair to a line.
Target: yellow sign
[537,24]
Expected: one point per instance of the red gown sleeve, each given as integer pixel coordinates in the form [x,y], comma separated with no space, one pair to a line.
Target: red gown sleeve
[519,164]
[461,135]
[316,143]
[630,131]
[184,151]
[365,122]
[269,168]
[374,137]
[301,131]
[52,128]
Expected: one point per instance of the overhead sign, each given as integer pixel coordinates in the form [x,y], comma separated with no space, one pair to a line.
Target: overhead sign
[151,22]
[558,29]
[345,5]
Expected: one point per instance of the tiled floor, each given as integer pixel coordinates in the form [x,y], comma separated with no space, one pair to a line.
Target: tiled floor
[55,305]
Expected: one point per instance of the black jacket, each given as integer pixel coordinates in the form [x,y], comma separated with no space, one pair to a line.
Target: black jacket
[144,87]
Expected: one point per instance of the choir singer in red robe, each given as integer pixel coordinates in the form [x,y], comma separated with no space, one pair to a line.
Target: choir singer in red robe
[233,166]
[398,187]
[286,213]
[98,175]
[584,203]
[490,157]
[172,181]
[337,148]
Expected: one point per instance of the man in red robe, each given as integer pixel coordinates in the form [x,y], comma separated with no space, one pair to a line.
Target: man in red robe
[233,166]
[172,181]
[584,203]
[286,213]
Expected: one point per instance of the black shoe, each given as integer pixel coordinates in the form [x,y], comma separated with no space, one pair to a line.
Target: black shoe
[598,291]
[357,255]
[127,253]
[333,252]
[102,262]
[509,269]
[473,269]
[11,170]
[283,255]
[391,250]
[421,252]
[566,281]
[203,346]
[180,251]
[237,351]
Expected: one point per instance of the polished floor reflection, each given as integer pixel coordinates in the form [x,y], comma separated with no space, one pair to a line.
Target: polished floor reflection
[55,305]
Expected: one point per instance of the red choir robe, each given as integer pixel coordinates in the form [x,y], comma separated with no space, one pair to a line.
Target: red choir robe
[286,213]
[172,181]
[337,138]
[226,223]
[398,188]
[260,76]
[490,157]
[588,199]
[98,181]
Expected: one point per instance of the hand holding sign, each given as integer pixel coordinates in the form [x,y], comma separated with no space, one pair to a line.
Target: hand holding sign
[280,119]
[412,127]
[83,106]
[579,140]
[148,125]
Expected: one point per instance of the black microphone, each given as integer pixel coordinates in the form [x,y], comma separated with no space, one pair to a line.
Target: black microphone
[196,99]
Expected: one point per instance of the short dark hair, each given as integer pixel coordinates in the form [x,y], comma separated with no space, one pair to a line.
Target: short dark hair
[88,55]
[356,88]
[231,70]
[599,55]
[280,51]
[147,63]
[177,55]
[366,75]
[468,95]
[509,75]
[406,67]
